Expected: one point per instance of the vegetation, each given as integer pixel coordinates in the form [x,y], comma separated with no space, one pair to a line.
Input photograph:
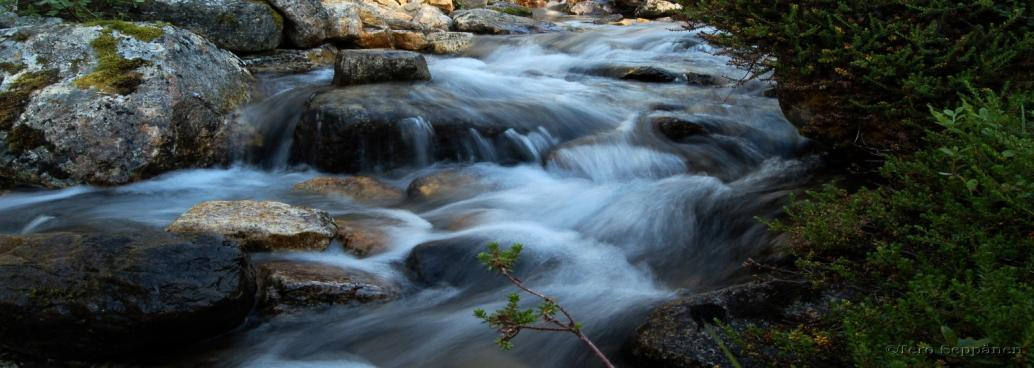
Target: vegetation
[519,11]
[73,9]
[14,99]
[511,320]
[115,74]
[864,72]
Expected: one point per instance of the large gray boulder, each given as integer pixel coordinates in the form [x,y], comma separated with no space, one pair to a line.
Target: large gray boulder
[307,21]
[114,102]
[236,25]
[493,22]
[71,296]
[373,66]
[260,225]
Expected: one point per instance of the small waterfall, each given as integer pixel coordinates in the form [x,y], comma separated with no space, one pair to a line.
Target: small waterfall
[483,149]
[532,145]
[419,134]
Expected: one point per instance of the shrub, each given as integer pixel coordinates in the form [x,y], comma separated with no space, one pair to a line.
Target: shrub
[943,253]
[863,72]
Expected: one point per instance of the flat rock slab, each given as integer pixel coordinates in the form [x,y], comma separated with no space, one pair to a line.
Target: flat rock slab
[492,22]
[376,66]
[362,189]
[260,226]
[97,296]
[293,285]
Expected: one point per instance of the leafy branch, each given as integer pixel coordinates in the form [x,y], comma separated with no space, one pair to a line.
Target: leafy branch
[511,320]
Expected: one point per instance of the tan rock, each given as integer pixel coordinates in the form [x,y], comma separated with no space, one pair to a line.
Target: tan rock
[445,5]
[449,42]
[431,18]
[361,189]
[363,237]
[375,38]
[260,226]
[444,185]
[293,285]
[409,40]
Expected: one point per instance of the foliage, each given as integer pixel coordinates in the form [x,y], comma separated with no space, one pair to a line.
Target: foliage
[943,253]
[74,9]
[511,320]
[866,70]
[519,11]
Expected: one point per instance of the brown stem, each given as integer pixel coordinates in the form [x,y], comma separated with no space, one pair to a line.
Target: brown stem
[571,325]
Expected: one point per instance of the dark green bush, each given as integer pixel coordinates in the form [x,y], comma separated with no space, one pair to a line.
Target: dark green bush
[73,9]
[865,71]
[943,254]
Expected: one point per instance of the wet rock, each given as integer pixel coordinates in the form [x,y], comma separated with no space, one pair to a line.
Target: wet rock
[450,42]
[454,262]
[294,285]
[260,226]
[7,18]
[409,40]
[594,8]
[94,296]
[608,19]
[306,21]
[641,73]
[115,102]
[675,335]
[651,9]
[493,22]
[363,189]
[363,237]
[291,61]
[444,185]
[236,25]
[429,18]
[677,129]
[373,66]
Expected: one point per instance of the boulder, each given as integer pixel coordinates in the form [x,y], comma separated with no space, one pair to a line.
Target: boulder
[375,38]
[449,42]
[97,296]
[409,40]
[296,285]
[493,22]
[445,5]
[593,8]
[651,9]
[363,237]
[114,102]
[307,22]
[260,226]
[454,262]
[641,73]
[362,189]
[612,18]
[675,333]
[444,185]
[373,66]
[291,61]
[236,25]
[429,18]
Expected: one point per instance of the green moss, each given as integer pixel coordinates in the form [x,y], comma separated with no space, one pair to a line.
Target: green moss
[113,74]
[142,33]
[13,101]
[23,138]
[277,18]
[519,11]
[11,68]
[227,19]
[21,37]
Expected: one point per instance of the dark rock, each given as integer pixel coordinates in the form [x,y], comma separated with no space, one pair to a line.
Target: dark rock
[373,66]
[608,19]
[637,73]
[454,262]
[291,61]
[235,25]
[444,185]
[493,22]
[677,129]
[675,333]
[98,296]
[294,285]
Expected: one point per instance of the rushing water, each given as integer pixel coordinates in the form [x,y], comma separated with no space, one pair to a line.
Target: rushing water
[615,217]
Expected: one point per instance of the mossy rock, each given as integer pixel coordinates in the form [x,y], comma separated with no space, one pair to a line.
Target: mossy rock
[13,101]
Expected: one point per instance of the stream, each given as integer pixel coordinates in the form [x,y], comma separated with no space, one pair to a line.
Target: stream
[615,216]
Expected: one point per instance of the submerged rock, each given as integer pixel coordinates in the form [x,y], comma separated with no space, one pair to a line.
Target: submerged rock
[291,61]
[493,22]
[362,189]
[675,333]
[293,285]
[363,237]
[444,185]
[114,102]
[260,226]
[98,296]
[373,66]
[236,25]
[591,7]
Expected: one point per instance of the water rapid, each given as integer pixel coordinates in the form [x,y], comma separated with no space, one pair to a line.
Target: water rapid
[617,214]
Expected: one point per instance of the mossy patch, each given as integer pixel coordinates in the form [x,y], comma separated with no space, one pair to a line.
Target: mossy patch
[519,11]
[23,138]
[11,68]
[13,101]
[142,33]
[114,73]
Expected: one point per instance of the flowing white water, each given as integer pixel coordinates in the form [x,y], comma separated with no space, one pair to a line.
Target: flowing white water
[615,217]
